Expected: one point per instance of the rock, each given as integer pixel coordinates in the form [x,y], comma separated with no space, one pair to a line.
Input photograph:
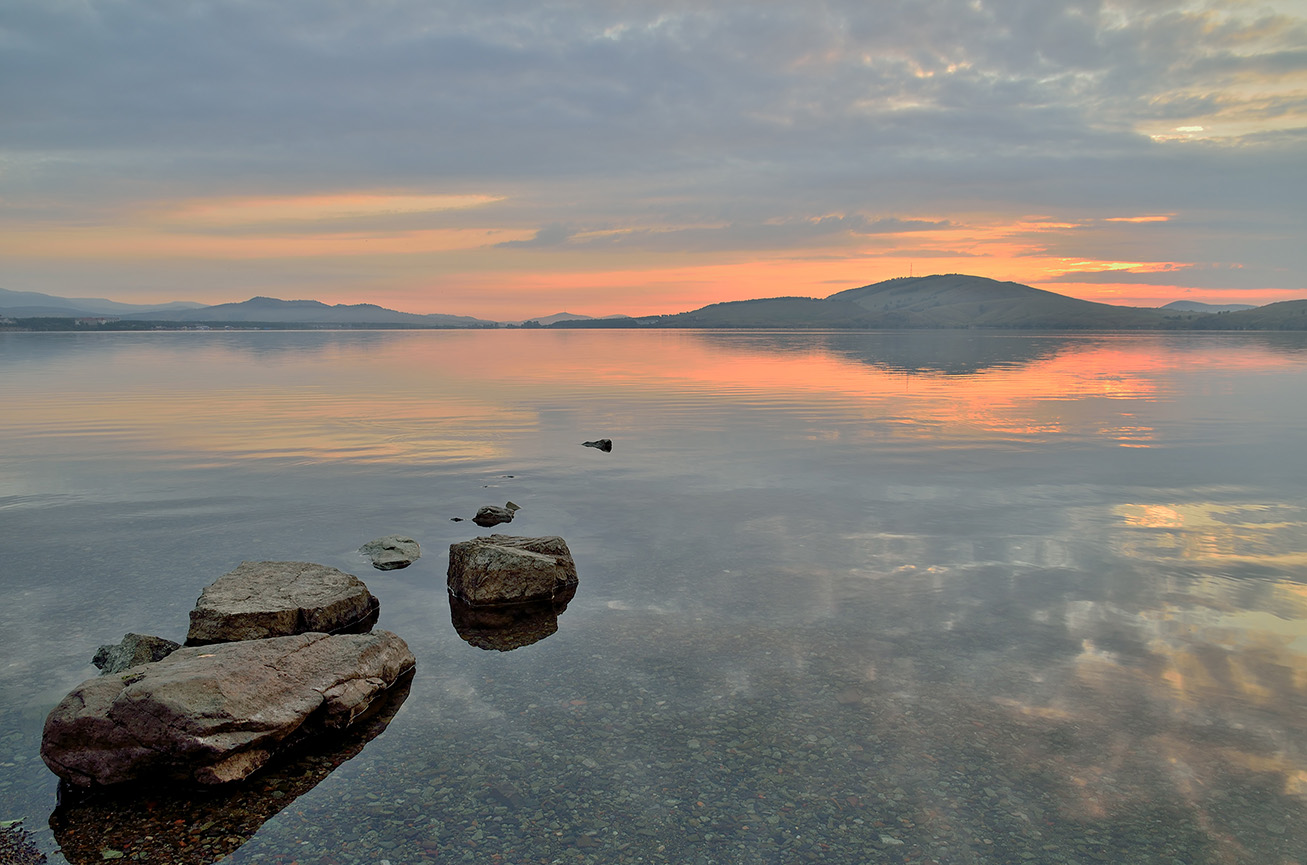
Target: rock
[505,627]
[493,515]
[276,599]
[391,552]
[134,649]
[605,445]
[502,569]
[212,714]
[158,825]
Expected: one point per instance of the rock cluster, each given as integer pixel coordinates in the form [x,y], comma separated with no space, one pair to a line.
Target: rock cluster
[277,651]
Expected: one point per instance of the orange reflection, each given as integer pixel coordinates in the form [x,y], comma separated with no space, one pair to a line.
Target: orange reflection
[441,394]
[1212,532]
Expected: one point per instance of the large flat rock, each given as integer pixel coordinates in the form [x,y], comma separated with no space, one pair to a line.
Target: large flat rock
[504,569]
[276,599]
[212,714]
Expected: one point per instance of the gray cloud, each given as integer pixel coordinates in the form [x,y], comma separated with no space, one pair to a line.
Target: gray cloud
[1224,277]
[550,235]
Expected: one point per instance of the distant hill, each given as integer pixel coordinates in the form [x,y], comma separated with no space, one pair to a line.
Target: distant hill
[546,320]
[940,301]
[29,304]
[1196,306]
[272,310]
[1285,315]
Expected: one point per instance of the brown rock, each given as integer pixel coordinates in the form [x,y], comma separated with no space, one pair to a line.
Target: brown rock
[276,599]
[212,714]
[147,822]
[503,569]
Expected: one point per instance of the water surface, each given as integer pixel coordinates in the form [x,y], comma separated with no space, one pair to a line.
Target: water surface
[872,597]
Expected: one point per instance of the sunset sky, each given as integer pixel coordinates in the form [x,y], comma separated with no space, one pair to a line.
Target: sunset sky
[513,159]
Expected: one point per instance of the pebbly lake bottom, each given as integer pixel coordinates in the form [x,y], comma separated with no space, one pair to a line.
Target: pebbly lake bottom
[916,617]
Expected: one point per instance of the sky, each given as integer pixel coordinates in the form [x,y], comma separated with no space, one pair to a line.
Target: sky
[508,159]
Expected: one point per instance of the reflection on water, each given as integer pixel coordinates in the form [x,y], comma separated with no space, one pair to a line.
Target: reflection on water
[182,827]
[506,627]
[849,598]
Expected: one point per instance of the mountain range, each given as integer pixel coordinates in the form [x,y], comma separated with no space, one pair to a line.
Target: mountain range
[938,301]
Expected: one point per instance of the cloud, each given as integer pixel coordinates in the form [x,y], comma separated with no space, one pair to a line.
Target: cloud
[671,128]
[1215,276]
[549,235]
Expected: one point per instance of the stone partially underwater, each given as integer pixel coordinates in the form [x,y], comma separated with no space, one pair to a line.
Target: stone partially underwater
[277,599]
[493,515]
[392,552]
[197,827]
[213,714]
[504,569]
[278,652]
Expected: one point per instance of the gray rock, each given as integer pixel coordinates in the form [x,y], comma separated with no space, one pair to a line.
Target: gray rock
[391,552]
[275,599]
[493,515]
[502,569]
[213,714]
[134,649]
[605,445]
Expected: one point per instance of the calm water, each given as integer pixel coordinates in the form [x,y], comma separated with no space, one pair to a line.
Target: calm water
[845,598]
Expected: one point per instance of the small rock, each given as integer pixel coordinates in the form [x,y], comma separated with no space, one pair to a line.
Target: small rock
[392,552]
[493,515]
[134,649]
[605,445]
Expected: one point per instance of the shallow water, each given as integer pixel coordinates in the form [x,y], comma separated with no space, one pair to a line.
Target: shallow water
[867,597]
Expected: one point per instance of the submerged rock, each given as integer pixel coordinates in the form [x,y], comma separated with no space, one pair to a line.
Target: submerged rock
[392,552]
[213,714]
[605,445]
[503,569]
[132,650]
[493,515]
[276,599]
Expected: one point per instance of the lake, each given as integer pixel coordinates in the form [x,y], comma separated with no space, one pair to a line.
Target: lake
[900,597]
